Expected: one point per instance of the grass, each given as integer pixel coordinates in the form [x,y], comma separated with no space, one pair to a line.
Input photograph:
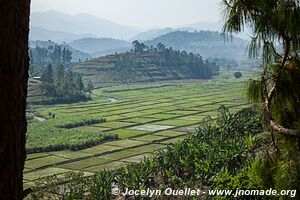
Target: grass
[92,129]
[113,117]
[193,118]
[148,148]
[163,116]
[125,133]
[31,176]
[115,124]
[136,159]
[36,155]
[150,138]
[70,154]
[108,166]
[120,155]
[81,164]
[41,162]
[175,122]
[125,143]
[141,120]
[45,136]
[170,133]
[171,141]
[102,148]
[151,127]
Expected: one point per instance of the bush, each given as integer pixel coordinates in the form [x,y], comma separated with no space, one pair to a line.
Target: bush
[237,74]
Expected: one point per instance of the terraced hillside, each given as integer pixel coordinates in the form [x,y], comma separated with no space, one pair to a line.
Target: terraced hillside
[103,71]
[147,117]
[146,64]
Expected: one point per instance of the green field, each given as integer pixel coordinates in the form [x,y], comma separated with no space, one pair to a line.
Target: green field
[146,117]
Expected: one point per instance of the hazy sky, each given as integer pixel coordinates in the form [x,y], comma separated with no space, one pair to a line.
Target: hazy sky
[139,13]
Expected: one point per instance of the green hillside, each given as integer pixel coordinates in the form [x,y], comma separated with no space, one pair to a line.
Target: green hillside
[146,64]
[205,43]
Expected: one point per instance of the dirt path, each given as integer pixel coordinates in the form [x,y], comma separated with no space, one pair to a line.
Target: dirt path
[40,119]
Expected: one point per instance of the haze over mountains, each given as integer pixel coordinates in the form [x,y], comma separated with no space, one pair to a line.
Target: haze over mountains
[57,26]
[100,46]
[80,24]
[38,33]
[98,37]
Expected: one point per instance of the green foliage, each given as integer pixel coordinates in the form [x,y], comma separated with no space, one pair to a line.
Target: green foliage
[82,122]
[55,134]
[101,185]
[246,179]
[62,83]
[195,161]
[143,57]
[274,25]
[256,91]
[269,170]
[70,186]
[89,87]
[53,54]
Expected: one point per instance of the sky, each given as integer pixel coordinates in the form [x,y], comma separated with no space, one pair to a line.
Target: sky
[138,13]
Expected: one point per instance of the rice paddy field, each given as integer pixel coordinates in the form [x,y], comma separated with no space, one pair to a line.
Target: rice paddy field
[146,117]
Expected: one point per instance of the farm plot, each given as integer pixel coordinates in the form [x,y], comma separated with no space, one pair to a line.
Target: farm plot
[145,120]
[126,133]
[151,127]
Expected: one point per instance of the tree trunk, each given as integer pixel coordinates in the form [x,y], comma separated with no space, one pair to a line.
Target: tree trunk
[14,62]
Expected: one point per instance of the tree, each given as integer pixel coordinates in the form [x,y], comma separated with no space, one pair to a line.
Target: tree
[14,63]
[47,74]
[161,47]
[56,54]
[79,82]
[275,26]
[89,87]
[60,80]
[63,55]
[138,47]
[68,56]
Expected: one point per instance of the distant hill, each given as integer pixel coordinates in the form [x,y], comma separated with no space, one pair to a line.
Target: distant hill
[198,26]
[76,54]
[206,26]
[38,33]
[144,64]
[152,34]
[205,43]
[100,46]
[80,24]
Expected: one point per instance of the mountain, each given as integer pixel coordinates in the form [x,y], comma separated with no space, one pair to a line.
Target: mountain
[100,46]
[151,34]
[198,26]
[38,33]
[205,43]
[80,24]
[76,54]
[205,26]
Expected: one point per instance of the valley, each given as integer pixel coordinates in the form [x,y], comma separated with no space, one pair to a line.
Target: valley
[146,117]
